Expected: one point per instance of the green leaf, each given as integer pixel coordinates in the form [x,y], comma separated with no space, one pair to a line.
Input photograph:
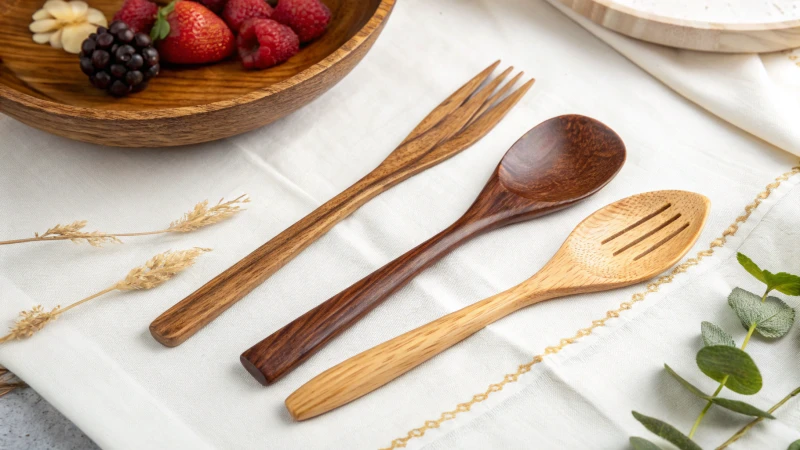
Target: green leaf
[773,317]
[714,335]
[746,305]
[161,28]
[689,386]
[783,282]
[751,267]
[642,444]
[666,431]
[741,408]
[794,445]
[719,361]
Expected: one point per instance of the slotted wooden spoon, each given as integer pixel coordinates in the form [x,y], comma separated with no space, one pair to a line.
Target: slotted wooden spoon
[621,244]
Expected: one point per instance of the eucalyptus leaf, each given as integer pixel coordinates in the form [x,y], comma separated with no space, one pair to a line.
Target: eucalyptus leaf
[773,317]
[721,361]
[783,282]
[778,318]
[741,408]
[689,386]
[666,431]
[794,445]
[746,305]
[714,335]
[751,267]
[642,444]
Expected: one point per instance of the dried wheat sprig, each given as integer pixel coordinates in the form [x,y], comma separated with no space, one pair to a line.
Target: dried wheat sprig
[9,382]
[201,215]
[153,273]
[198,217]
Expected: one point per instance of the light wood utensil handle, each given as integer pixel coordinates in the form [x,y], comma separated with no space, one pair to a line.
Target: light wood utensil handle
[288,347]
[379,365]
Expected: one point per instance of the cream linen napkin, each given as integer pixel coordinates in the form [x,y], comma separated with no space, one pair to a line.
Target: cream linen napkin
[759,93]
[100,367]
[591,388]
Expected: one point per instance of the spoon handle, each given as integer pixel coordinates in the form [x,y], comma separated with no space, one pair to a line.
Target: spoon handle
[288,347]
[381,364]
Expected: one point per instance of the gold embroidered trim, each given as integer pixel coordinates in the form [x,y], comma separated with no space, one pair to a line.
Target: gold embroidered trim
[635,298]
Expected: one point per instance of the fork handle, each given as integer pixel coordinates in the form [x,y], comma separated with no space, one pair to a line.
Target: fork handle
[381,364]
[192,313]
[288,347]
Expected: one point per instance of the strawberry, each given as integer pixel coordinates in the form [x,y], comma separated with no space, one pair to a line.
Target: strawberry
[216,6]
[189,33]
[308,18]
[237,11]
[264,43]
[139,15]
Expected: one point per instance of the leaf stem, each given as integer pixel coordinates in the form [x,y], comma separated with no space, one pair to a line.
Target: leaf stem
[749,335]
[707,407]
[742,431]
[702,414]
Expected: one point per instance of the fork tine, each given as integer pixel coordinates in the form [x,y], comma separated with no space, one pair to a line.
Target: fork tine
[459,118]
[475,131]
[497,95]
[450,104]
[497,112]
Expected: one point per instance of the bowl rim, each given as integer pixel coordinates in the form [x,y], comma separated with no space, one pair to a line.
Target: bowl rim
[380,14]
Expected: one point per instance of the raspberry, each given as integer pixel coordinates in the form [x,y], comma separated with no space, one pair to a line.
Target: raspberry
[237,11]
[264,43]
[308,18]
[139,15]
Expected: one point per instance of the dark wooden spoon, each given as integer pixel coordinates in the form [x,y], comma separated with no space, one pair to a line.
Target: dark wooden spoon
[556,164]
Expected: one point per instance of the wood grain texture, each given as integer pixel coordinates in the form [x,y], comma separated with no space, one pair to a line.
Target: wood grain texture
[44,87]
[556,164]
[624,243]
[439,136]
[703,35]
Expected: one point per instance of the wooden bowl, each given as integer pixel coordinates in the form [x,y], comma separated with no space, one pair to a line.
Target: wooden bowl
[45,88]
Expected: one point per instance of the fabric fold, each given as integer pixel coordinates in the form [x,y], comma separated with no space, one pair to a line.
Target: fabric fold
[748,90]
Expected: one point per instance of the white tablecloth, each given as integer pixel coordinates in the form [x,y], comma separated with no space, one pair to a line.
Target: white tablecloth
[100,367]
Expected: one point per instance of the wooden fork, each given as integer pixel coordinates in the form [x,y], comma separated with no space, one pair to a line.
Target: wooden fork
[457,123]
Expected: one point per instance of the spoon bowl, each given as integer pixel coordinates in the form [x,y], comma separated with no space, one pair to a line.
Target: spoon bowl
[566,158]
[555,165]
[636,238]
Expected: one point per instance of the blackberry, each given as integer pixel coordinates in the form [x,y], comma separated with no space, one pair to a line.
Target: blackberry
[118,60]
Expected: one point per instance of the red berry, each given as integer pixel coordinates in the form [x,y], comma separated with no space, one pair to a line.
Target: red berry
[138,14]
[308,18]
[195,34]
[237,11]
[264,43]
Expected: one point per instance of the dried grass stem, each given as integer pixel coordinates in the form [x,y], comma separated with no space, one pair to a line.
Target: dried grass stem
[198,217]
[153,273]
